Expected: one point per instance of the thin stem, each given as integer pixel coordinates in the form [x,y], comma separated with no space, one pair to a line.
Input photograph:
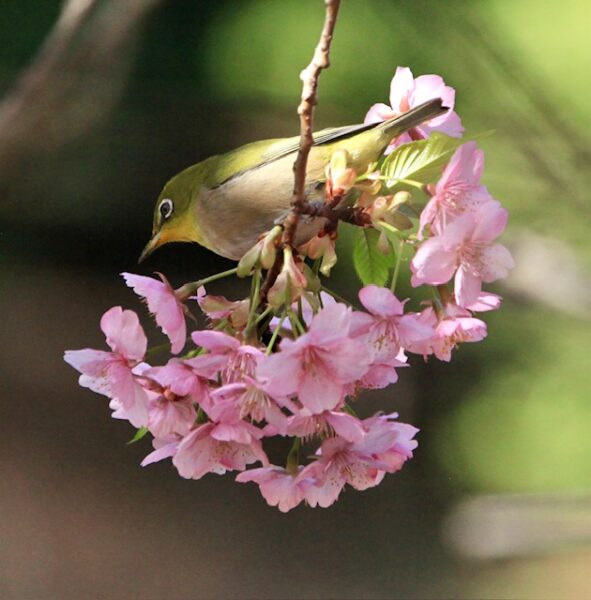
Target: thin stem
[275,335]
[335,295]
[264,314]
[347,408]
[437,304]
[397,265]
[190,288]
[293,457]
[157,349]
[410,182]
[296,324]
[255,289]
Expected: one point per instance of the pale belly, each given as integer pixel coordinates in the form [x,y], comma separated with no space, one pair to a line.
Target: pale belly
[233,216]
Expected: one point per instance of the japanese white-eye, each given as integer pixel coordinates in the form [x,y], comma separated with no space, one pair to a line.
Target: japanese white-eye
[226,202]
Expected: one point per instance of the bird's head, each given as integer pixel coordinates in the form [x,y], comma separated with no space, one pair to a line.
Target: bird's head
[173,220]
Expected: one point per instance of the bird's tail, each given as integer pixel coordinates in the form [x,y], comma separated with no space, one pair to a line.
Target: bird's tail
[413,118]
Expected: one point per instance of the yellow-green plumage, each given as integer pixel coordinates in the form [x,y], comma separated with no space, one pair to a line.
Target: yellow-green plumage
[226,202]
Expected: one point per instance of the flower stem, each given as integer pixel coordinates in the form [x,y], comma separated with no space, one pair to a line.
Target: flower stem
[296,324]
[255,289]
[437,304]
[264,314]
[397,265]
[335,295]
[275,335]
[293,458]
[190,288]
[157,349]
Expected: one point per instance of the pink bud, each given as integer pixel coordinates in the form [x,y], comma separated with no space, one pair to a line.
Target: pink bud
[289,284]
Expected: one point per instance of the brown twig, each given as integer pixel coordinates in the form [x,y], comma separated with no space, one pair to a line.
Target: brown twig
[75,79]
[309,77]
[309,98]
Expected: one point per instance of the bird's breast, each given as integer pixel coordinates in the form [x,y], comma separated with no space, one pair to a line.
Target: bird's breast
[233,215]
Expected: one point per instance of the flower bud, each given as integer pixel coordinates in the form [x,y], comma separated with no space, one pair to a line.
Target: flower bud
[383,244]
[289,284]
[385,209]
[262,253]
[339,178]
[269,251]
[322,247]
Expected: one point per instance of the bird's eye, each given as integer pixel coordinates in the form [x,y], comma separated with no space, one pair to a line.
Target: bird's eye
[166,207]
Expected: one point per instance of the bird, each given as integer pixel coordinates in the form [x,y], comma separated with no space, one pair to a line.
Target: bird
[226,202]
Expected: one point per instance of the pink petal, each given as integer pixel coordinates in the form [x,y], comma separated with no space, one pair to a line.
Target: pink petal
[401,87]
[486,301]
[124,333]
[88,361]
[433,263]
[496,261]
[467,286]
[492,220]
[378,113]
[330,323]
[325,491]
[215,341]
[346,362]
[347,426]
[380,301]
[413,330]
[164,305]
[427,87]
[428,215]
[466,165]
[279,373]
[161,453]
[319,393]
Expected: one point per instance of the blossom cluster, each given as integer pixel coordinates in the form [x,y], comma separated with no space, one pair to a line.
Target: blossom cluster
[292,362]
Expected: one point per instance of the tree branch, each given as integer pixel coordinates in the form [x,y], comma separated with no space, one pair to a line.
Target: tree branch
[75,79]
[309,77]
[309,98]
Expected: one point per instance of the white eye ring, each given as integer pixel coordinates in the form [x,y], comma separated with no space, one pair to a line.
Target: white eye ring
[166,207]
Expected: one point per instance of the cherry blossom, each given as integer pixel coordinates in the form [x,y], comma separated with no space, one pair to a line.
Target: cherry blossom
[252,401]
[279,487]
[384,448]
[233,358]
[319,364]
[305,424]
[465,248]
[458,190]
[217,448]
[385,330]
[455,327]
[112,373]
[406,92]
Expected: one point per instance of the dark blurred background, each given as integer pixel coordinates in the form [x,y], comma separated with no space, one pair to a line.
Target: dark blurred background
[105,101]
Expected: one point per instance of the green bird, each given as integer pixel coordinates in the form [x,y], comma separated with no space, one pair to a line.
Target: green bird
[226,202]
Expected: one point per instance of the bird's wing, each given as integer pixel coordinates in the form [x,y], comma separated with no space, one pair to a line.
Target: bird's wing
[228,166]
[283,147]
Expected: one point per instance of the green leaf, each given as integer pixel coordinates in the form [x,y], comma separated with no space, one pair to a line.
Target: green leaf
[420,162]
[371,265]
[139,434]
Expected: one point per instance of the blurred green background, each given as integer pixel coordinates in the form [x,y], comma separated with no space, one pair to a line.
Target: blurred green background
[496,503]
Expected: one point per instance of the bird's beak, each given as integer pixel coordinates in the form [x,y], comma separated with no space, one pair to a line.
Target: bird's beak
[150,247]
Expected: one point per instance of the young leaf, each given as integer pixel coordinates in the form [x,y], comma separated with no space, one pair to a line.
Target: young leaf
[420,161]
[139,434]
[371,265]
